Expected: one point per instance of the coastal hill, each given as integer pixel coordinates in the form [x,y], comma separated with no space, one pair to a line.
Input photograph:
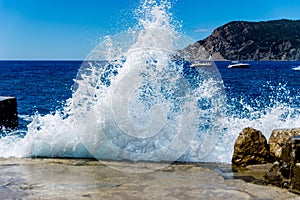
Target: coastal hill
[241,40]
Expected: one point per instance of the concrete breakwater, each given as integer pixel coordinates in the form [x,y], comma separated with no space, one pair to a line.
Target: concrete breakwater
[8,113]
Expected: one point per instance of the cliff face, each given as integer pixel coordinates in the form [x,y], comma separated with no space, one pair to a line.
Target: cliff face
[240,40]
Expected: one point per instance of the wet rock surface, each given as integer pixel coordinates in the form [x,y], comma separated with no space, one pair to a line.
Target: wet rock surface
[275,176]
[295,177]
[278,139]
[89,179]
[250,148]
[285,149]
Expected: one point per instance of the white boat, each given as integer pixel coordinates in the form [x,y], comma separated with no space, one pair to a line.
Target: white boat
[296,68]
[237,64]
[201,64]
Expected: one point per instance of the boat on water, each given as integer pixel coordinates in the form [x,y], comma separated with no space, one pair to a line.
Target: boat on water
[201,64]
[237,64]
[296,68]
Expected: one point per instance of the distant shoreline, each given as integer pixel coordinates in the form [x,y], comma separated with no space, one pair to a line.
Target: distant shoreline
[244,40]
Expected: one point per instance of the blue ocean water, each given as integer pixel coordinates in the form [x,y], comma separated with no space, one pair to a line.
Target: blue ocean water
[43,86]
[39,86]
[256,96]
[262,85]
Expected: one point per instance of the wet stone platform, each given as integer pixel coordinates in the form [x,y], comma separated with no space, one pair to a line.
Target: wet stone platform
[90,179]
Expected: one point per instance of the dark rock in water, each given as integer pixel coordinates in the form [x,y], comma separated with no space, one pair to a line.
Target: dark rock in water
[8,112]
[278,139]
[250,148]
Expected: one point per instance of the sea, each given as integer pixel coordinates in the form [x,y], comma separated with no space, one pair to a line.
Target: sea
[265,96]
[136,97]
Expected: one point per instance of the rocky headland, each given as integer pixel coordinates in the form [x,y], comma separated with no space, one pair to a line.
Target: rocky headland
[242,40]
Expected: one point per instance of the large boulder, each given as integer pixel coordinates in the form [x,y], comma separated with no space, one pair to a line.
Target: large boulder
[278,139]
[250,148]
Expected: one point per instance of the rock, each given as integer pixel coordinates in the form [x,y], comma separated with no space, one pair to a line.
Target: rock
[291,151]
[8,112]
[278,139]
[242,40]
[250,148]
[290,156]
[295,177]
[286,173]
[274,176]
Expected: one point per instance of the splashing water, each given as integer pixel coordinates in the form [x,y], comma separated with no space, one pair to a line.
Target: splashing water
[136,98]
[136,102]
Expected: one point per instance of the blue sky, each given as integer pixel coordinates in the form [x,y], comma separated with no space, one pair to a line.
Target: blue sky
[70,29]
